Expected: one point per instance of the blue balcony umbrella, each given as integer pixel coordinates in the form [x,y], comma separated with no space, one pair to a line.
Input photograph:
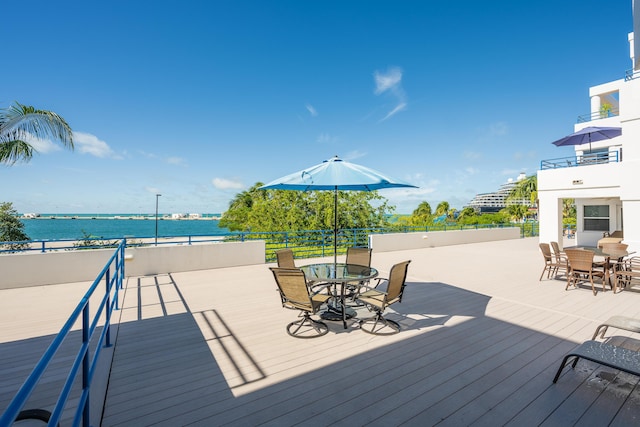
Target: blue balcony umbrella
[588,135]
[333,175]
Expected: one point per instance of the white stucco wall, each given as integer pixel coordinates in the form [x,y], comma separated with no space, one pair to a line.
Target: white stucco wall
[36,269]
[404,241]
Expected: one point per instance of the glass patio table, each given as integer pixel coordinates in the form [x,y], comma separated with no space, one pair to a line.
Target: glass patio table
[338,274]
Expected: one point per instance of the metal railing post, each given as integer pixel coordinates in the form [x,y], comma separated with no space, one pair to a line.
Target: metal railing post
[107,322]
[85,367]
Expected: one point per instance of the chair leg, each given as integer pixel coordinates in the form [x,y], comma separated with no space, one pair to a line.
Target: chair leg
[306,327]
[379,325]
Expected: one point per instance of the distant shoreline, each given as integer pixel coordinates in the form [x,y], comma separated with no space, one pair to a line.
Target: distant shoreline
[174,217]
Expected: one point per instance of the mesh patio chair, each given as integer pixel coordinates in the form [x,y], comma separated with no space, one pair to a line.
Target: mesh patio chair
[357,256]
[377,301]
[551,266]
[285,259]
[581,267]
[295,295]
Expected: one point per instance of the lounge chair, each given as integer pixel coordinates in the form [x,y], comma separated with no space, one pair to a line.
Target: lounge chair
[605,354]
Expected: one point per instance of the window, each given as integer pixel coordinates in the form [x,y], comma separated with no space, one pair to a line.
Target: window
[596,218]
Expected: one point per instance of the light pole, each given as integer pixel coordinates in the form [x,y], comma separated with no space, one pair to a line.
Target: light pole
[157,196]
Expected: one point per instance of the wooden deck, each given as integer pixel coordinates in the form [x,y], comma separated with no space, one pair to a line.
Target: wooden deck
[480,343]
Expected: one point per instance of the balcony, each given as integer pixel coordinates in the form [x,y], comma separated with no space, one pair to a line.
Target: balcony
[581,160]
[598,115]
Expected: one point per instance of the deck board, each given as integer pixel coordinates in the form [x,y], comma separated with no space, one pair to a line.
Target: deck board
[478,346]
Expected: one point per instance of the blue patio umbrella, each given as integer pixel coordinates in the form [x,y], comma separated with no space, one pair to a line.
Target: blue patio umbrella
[333,175]
[588,135]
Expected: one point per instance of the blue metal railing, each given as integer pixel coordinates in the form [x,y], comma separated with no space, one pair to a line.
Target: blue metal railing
[583,160]
[309,243]
[84,363]
[609,112]
[630,75]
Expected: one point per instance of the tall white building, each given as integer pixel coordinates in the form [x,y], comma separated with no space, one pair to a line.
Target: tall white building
[603,177]
[496,201]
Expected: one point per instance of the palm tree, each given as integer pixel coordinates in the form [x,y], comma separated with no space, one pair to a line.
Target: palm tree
[442,208]
[19,122]
[422,215]
[525,190]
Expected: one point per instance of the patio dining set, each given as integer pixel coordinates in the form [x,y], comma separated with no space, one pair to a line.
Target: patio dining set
[609,262]
[335,289]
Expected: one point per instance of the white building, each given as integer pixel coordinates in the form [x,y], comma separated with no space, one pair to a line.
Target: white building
[604,179]
[496,201]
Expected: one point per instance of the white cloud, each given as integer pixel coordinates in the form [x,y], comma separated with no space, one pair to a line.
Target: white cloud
[178,161]
[226,184]
[311,110]
[471,155]
[147,155]
[90,144]
[471,170]
[397,109]
[325,138]
[391,82]
[41,145]
[353,155]
[387,81]
[498,129]
[153,190]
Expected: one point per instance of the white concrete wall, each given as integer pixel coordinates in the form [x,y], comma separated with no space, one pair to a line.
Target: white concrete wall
[432,239]
[590,238]
[164,259]
[36,269]
[602,183]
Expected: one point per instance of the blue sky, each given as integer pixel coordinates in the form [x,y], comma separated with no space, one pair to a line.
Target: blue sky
[199,100]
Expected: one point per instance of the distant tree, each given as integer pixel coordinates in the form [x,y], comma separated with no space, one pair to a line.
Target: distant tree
[421,215]
[569,213]
[285,210]
[236,218]
[11,228]
[516,212]
[525,190]
[467,215]
[442,208]
[18,122]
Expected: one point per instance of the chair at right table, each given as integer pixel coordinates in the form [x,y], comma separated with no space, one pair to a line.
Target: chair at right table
[628,273]
[377,301]
[580,266]
[613,262]
[550,264]
[561,258]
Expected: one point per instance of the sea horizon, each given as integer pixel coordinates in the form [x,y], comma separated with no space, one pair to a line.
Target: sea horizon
[108,226]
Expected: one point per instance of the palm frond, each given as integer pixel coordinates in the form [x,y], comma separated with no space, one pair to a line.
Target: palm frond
[19,120]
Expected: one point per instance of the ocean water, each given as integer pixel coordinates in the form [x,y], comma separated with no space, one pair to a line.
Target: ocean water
[106,227]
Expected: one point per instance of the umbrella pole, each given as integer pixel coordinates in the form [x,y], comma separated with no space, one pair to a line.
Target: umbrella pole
[335,225]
